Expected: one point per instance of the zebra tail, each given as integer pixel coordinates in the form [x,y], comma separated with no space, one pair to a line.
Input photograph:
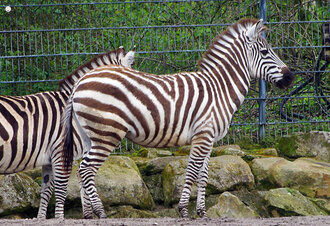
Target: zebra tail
[67,150]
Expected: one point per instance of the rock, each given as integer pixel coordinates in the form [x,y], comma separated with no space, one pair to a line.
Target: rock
[153,152]
[183,151]
[263,152]
[313,144]
[263,170]
[163,153]
[140,162]
[228,172]
[227,150]
[154,183]
[225,172]
[254,199]
[118,182]
[309,176]
[151,174]
[147,152]
[129,212]
[210,200]
[157,165]
[323,204]
[173,177]
[230,206]
[18,192]
[290,202]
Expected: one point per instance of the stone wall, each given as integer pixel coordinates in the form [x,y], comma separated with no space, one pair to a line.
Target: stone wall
[292,178]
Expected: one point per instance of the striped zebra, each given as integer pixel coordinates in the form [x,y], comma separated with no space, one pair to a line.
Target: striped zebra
[30,131]
[195,108]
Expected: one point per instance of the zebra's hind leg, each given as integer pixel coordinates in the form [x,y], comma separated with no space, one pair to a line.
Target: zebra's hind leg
[201,183]
[88,173]
[61,179]
[46,190]
[201,146]
[85,201]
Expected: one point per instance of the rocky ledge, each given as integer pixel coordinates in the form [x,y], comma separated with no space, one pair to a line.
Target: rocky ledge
[290,179]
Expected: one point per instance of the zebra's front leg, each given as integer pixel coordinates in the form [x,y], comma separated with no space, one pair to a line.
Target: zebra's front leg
[46,190]
[202,183]
[200,149]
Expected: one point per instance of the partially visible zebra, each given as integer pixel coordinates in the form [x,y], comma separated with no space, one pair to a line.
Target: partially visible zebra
[113,102]
[30,131]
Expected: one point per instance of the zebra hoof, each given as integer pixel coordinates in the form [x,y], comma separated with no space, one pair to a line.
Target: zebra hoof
[201,213]
[100,214]
[88,216]
[183,212]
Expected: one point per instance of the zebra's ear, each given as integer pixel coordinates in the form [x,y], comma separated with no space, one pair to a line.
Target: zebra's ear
[253,32]
[129,59]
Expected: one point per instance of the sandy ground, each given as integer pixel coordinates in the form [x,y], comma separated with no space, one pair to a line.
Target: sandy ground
[315,220]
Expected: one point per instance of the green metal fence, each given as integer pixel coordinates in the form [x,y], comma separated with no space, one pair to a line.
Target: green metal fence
[43,41]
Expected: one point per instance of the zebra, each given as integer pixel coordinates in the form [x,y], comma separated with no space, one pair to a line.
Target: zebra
[111,102]
[30,131]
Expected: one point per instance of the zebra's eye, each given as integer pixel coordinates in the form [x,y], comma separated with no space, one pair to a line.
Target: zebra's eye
[264,51]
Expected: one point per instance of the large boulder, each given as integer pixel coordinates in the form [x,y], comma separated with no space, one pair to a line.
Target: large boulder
[118,182]
[227,150]
[157,165]
[228,172]
[173,177]
[263,170]
[154,184]
[152,176]
[18,192]
[309,176]
[230,206]
[225,173]
[290,202]
[313,144]
[254,199]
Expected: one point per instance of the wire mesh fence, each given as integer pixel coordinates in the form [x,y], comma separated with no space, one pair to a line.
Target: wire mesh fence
[43,41]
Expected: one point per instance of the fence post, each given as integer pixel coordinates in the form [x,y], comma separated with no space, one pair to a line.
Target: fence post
[262,83]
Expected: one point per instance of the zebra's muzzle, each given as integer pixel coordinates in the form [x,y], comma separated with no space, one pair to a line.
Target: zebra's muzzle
[287,79]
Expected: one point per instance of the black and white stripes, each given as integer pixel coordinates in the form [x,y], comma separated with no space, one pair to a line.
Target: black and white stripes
[31,132]
[111,102]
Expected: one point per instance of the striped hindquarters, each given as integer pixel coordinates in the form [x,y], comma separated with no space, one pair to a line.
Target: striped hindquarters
[30,127]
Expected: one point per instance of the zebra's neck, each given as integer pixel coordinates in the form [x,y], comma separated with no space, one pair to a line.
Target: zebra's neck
[226,61]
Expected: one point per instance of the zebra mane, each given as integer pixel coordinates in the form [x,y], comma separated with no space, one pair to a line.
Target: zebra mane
[228,35]
[110,57]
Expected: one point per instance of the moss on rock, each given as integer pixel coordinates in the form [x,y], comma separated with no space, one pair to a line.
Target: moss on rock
[290,202]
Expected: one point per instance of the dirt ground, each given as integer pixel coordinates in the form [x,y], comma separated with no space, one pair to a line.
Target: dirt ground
[315,220]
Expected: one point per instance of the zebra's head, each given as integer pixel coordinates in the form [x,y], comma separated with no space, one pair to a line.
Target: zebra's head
[263,61]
